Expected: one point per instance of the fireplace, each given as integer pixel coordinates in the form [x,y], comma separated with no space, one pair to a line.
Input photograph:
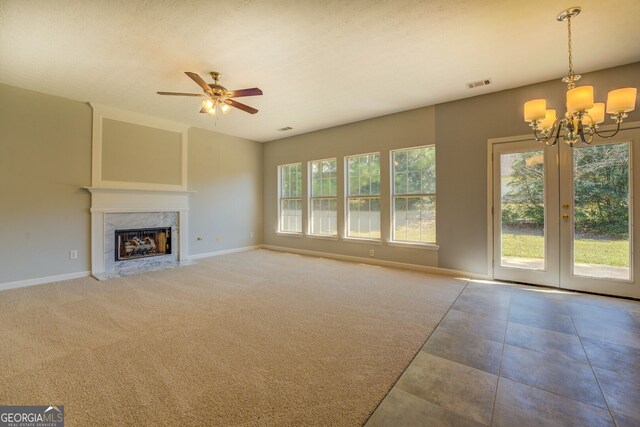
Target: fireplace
[142,243]
[138,242]
[116,211]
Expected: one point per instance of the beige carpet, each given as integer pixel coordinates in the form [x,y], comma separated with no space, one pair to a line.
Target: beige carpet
[255,338]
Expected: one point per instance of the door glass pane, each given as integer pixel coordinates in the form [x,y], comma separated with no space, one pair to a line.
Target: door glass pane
[601,211]
[522,210]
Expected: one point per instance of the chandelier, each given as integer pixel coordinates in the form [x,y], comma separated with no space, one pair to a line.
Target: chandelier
[580,122]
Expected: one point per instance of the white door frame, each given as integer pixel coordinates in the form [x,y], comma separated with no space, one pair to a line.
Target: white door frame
[550,274]
[489,164]
[613,286]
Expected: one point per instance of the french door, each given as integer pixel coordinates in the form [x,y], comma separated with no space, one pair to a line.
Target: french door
[564,216]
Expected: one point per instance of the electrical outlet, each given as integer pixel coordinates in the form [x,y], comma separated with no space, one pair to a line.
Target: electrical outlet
[73,254]
[372,252]
[218,237]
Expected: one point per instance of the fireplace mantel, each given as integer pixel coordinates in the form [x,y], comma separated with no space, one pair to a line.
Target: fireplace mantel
[134,200]
[105,201]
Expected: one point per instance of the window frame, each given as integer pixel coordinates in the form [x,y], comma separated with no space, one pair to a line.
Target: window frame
[311,198]
[348,198]
[392,203]
[289,199]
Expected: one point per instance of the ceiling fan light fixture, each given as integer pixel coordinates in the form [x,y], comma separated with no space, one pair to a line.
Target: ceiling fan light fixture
[217,97]
[207,104]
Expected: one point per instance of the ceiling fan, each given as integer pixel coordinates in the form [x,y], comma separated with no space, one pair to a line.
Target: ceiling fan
[218,98]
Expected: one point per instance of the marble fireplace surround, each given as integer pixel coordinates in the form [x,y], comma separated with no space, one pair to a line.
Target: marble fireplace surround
[117,208]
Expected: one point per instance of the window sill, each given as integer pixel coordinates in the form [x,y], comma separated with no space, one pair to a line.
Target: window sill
[322,237]
[285,234]
[365,241]
[427,246]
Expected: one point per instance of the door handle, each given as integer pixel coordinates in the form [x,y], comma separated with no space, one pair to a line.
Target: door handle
[565,217]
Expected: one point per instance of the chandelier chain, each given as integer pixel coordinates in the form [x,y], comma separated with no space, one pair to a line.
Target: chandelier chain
[570,48]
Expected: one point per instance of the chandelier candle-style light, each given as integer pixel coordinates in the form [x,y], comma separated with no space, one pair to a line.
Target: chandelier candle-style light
[580,122]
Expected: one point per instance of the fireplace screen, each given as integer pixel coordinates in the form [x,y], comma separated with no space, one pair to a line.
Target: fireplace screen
[142,243]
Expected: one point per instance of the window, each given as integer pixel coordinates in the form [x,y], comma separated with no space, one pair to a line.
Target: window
[323,201]
[290,177]
[363,196]
[414,195]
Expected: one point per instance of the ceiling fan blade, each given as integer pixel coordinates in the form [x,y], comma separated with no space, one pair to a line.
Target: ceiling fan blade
[179,94]
[240,106]
[196,78]
[254,91]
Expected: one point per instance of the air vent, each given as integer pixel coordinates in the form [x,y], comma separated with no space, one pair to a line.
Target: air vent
[479,83]
[285,129]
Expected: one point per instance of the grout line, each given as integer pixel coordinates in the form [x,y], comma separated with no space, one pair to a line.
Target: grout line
[416,355]
[549,391]
[591,366]
[568,291]
[588,363]
[558,394]
[504,341]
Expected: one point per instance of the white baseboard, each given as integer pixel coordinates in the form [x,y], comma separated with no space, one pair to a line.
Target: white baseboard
[394,264]
[42,280]
[224,252]
[381,262]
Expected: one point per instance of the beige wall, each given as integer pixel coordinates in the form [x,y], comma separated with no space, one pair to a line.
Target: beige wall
[226,174]
[460,130]
[45,159]
[136,153]
[409,129]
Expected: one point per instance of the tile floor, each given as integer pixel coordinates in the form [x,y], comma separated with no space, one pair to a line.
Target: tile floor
[511,355]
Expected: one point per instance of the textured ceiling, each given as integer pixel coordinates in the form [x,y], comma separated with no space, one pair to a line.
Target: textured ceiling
[319,63]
